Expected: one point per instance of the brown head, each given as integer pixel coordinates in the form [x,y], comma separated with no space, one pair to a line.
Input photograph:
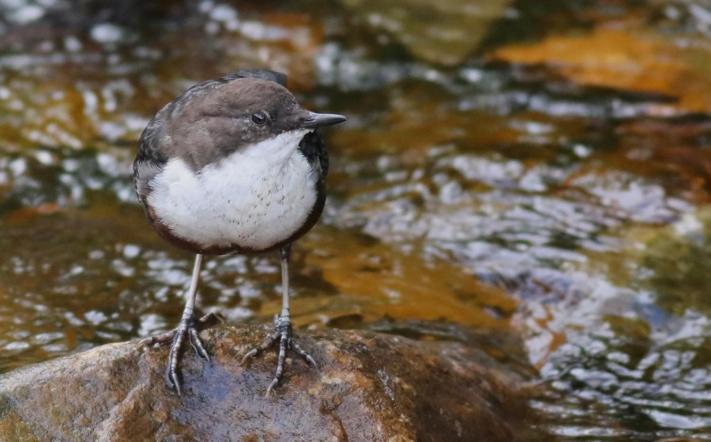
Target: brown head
[217,117]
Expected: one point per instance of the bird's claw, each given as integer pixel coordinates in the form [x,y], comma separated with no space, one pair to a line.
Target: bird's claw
[187,330]
[283,334]
[201,323]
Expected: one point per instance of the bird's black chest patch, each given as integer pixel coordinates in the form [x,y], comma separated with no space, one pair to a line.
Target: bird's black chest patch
[313,148]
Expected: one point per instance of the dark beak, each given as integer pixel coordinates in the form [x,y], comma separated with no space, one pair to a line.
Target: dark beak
[314,120]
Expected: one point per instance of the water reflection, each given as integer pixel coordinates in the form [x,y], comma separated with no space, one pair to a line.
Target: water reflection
[486,188]
[638,379]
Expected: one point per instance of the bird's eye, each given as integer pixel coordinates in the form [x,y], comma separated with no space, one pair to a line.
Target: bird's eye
[260,117]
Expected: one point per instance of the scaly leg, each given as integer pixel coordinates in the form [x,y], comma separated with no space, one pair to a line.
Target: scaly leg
[283,332]
[187,330]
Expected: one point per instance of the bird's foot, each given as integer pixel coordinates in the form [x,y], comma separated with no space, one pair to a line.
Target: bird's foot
[282,334]
[187,330]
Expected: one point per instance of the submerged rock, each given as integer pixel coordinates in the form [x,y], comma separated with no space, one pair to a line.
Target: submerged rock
[369,387]
[443,32]
[632,59]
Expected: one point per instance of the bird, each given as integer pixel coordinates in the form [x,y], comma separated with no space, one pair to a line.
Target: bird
[233,165]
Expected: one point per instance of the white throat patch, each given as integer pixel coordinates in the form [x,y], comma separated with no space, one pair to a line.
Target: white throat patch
[254,198]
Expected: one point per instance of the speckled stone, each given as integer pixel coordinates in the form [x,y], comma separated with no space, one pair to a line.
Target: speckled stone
[370,387]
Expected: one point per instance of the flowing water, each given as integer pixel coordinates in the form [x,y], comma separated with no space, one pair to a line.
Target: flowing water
[538,172]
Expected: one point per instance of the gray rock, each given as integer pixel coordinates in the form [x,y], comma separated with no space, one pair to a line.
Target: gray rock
[443,32]
[370,387]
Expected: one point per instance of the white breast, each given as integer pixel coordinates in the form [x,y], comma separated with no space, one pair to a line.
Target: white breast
[254,198]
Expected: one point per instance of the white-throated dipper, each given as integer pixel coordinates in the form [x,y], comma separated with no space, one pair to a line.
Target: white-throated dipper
[233,165]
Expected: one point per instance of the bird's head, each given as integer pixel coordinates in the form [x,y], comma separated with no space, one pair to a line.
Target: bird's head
[219,117]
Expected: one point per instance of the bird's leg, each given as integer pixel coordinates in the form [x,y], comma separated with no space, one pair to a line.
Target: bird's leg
[187,330]
[283,333]
[201,323]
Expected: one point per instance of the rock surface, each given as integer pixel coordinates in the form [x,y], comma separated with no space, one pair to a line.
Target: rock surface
[369,387]
[443,32]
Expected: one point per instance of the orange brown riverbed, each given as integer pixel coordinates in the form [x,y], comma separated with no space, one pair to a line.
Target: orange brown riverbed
[538,172]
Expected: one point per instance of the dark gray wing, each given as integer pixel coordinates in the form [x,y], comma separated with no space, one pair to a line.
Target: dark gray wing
[264,74]
[150,160]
